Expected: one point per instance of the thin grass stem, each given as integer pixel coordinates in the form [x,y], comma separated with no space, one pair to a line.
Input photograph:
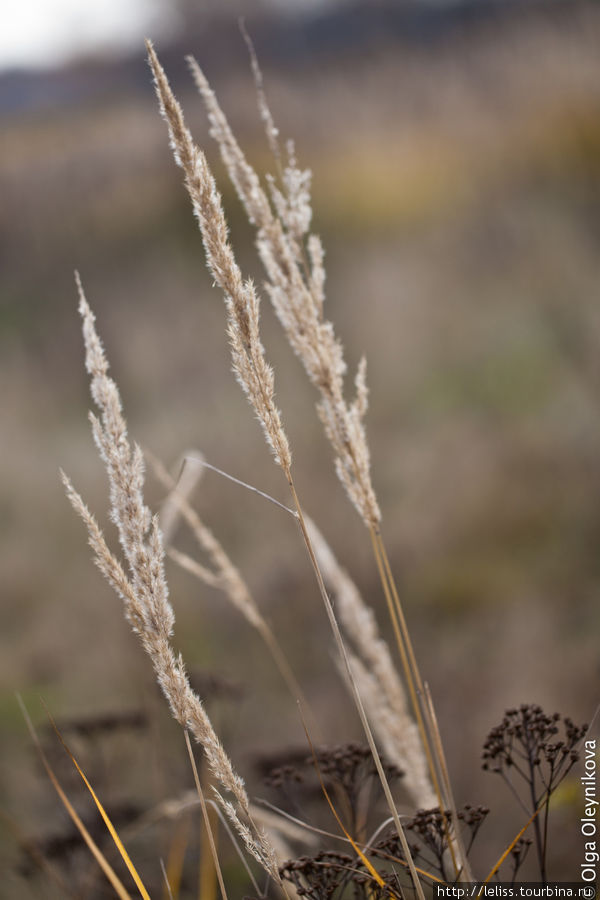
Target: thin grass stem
[209,834]
[166,880]
[465,871]
[225,824]
[356,695]
[415,685]
[244,484]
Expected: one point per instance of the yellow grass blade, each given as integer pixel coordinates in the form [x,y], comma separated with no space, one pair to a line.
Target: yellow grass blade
[416,690]
[372,871]
[511,845]
[205,816]
[111,829]
[176,857]
[95,850]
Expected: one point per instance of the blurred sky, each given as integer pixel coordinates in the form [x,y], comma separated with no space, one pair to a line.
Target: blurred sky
[49,32]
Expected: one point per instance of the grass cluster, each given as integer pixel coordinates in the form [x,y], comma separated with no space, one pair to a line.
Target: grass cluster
[389,847]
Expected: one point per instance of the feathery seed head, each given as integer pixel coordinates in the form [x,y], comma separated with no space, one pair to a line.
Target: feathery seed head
[297,293]
[241,299]
[144,588]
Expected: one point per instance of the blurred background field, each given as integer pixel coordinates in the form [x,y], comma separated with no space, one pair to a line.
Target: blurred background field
[455,151]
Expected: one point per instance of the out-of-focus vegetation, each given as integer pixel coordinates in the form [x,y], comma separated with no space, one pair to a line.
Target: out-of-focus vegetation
[457,189]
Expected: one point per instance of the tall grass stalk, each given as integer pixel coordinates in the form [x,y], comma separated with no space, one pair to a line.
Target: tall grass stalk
[314,340]
[293,260]
[293,263]
[144,589]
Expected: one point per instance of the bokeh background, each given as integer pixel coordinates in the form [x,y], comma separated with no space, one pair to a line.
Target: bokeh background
[455,150]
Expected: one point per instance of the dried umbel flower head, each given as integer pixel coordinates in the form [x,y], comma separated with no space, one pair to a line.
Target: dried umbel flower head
[518,854]
[528,743]
[346,769]
[319,877]
[331,874]
[432,831]
[528,740]
[349,764]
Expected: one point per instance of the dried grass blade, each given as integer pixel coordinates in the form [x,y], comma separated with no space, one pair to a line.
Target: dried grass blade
[190,472]
[207,825]
[168,893]
[402,862]
[511,845]
[176,857]
[356,694]
[207,874]
[95,850]
[111,828]
[368,865]
[199,460]
[217,809]
[415,685]
[465,871]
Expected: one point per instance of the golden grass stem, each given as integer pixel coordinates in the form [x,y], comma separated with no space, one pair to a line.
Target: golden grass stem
[205,817]
[225,824]
[497,865]
[207,875]
[105,817]
[423,710]
[366,862]
[465,871]
[100,858]
[176,857]
[401,636]
[356,695]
